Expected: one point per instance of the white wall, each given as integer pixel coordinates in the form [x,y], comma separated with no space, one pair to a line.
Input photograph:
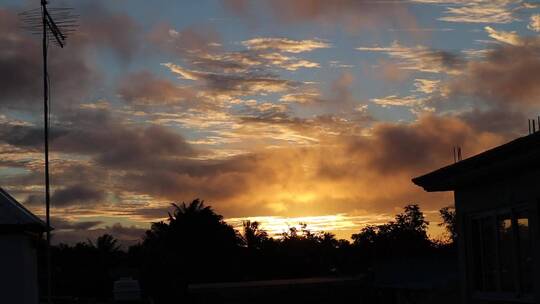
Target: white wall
[18,270]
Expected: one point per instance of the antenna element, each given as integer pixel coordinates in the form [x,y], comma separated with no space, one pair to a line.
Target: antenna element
[53,25]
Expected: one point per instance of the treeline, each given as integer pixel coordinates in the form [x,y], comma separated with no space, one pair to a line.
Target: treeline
[195,245]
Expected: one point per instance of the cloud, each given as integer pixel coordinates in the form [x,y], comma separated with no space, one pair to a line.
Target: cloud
[391,71]
[100,27]
[136,148]
[285,45]
[234,84]
[145,89]
[390,154]
[511,38]
[420,58]
[64,224]
[222,80]
[301,98]
[199,40]
[202,48]
[480,11]
[402,101]
[72,69]
[114,144]
[233,130]
[127,235]
[421,145]
[426,86]
[77,194]
[534,23]
[499,120]
[283,180]
[355,15]
[506,75]
[20,62]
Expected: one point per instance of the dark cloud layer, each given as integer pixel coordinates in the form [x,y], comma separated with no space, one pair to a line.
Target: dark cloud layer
[101,27]
[509,74]
[21,80]
[127,235]
[114,143]
[146,89]
[62,224]
[77,194]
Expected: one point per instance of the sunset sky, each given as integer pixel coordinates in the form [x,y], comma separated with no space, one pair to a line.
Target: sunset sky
[277,110]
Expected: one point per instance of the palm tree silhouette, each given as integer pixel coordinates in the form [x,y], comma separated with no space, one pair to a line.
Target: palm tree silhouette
[106,244]
[254,237]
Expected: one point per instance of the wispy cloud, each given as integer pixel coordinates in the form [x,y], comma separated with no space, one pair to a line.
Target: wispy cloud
[506,37]
[284,44]
[402,101]
[233,84]
[276,225]
[420,58]
[478,11]
[426,86]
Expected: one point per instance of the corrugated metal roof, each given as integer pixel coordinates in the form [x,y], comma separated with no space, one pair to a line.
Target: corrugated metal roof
[13,214]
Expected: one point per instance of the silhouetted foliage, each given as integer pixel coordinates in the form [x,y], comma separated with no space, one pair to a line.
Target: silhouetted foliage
[106,244]
[448,215]
[254,237]
[86,268]
[195,245]
[408,233]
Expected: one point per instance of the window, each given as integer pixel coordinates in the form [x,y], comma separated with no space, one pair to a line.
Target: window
[501,253]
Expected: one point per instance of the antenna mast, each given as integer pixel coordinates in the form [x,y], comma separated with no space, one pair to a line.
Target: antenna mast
[41,21]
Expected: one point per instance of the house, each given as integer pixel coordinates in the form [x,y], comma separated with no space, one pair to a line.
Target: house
[19,232]
[496,197]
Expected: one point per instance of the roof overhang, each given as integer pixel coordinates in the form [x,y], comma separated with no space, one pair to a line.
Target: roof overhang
[502,162]
[15,217]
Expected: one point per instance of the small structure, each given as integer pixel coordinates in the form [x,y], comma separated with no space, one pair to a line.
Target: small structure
[127,290]
[496,197]
[19,231]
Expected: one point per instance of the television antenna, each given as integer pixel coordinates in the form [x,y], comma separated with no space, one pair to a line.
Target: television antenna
[53,24]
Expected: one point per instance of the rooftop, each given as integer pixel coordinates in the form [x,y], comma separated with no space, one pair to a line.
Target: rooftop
[511,158]
[15,217]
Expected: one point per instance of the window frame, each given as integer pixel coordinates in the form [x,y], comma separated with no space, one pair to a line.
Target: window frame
[518,295]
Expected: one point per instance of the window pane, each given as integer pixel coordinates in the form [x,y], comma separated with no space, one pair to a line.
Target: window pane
[525,256]
[488,248]
[477,256]
[484,260]
[506,252]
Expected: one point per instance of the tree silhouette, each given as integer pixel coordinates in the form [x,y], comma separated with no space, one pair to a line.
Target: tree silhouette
[407,232]
[106,244]
[448,215]
[85,269]
[194,245]
[254,237]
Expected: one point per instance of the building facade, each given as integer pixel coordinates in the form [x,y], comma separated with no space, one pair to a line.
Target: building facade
[19,232]
[496,197]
